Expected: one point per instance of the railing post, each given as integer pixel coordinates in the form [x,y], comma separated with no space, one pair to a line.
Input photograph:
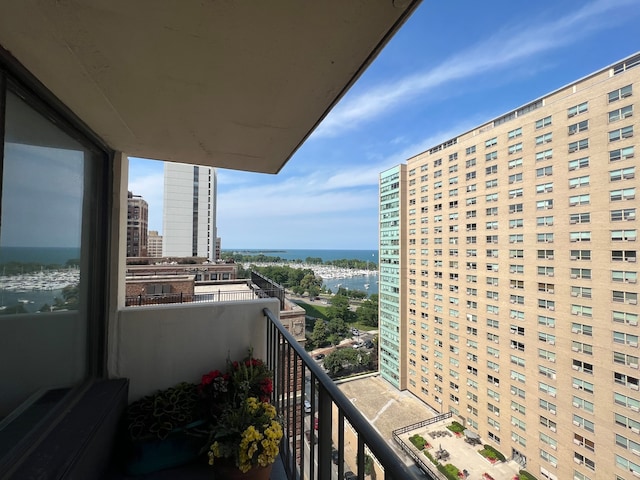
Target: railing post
[324,433]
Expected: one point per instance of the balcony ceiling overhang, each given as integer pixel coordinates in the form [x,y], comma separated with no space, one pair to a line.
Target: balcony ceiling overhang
[233,84]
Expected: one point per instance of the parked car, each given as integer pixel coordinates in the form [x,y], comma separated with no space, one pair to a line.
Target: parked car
[355,331]
[358,344]
[368,344]
[320,356]
[349,475]
[307,406]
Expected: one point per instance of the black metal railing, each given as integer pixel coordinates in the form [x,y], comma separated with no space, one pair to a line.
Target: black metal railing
[319,440]
[275,289]
[423,423]
[219,296]
[427,468]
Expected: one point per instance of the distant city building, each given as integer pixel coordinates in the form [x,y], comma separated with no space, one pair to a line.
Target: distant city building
[137,226]
[154,245]
[508,279]
[189,215]
[218,247]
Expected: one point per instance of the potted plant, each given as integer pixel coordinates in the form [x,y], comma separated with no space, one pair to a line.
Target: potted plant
[247,438]
[245,430]
[164,429]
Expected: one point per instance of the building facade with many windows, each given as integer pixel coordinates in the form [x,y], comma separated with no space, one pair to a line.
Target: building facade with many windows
[154,244]
[391,279]
[137,225]
[519,313]
[189,211]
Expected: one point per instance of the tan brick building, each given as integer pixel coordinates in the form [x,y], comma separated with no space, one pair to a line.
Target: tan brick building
[154,244]
[137,225]
[516,286]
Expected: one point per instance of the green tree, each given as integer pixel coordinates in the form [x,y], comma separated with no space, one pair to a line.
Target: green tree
[340,308]
[367,312]
[311,284]
[340,359]
[337,329]
[320,335]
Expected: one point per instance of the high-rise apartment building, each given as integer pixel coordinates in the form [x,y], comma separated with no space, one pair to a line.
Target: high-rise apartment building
[392,279]
[189,214]
[154,244]
[508,270]
[137,225]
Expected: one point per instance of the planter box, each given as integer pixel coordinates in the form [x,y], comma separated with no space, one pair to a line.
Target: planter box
[180,447]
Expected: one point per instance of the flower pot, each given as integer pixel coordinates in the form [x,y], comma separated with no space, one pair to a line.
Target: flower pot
[180,447]
[231,472]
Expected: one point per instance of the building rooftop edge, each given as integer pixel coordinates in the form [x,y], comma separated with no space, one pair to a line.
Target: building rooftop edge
[542,97]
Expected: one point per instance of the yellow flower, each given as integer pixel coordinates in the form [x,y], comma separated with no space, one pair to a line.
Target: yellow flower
[214,451]
[257,444]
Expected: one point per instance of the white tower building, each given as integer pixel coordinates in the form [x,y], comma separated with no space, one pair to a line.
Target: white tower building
[189,213]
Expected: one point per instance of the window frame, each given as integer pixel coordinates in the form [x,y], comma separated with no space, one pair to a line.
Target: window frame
[95,260]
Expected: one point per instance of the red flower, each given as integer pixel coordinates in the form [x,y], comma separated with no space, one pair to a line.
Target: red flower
[208,378]
[267,387]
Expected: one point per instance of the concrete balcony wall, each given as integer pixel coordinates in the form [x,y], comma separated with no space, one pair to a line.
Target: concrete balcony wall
[156,347]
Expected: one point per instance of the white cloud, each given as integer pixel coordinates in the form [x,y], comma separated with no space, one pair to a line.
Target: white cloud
[507,47]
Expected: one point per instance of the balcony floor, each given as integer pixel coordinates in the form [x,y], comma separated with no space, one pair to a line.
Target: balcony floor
[192,471]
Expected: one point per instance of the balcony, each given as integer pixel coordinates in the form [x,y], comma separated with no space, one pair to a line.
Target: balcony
[69,92]
[184,341]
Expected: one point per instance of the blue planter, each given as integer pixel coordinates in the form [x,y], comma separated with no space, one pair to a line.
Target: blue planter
[180,447]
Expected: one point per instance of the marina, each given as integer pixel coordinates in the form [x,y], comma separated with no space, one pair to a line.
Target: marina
[336,277]
[43,280]
[34,290]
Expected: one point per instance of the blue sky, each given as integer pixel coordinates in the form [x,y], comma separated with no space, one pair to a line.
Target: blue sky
[452,66]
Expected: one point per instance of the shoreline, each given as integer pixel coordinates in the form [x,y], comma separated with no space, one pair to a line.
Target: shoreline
[326,272]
